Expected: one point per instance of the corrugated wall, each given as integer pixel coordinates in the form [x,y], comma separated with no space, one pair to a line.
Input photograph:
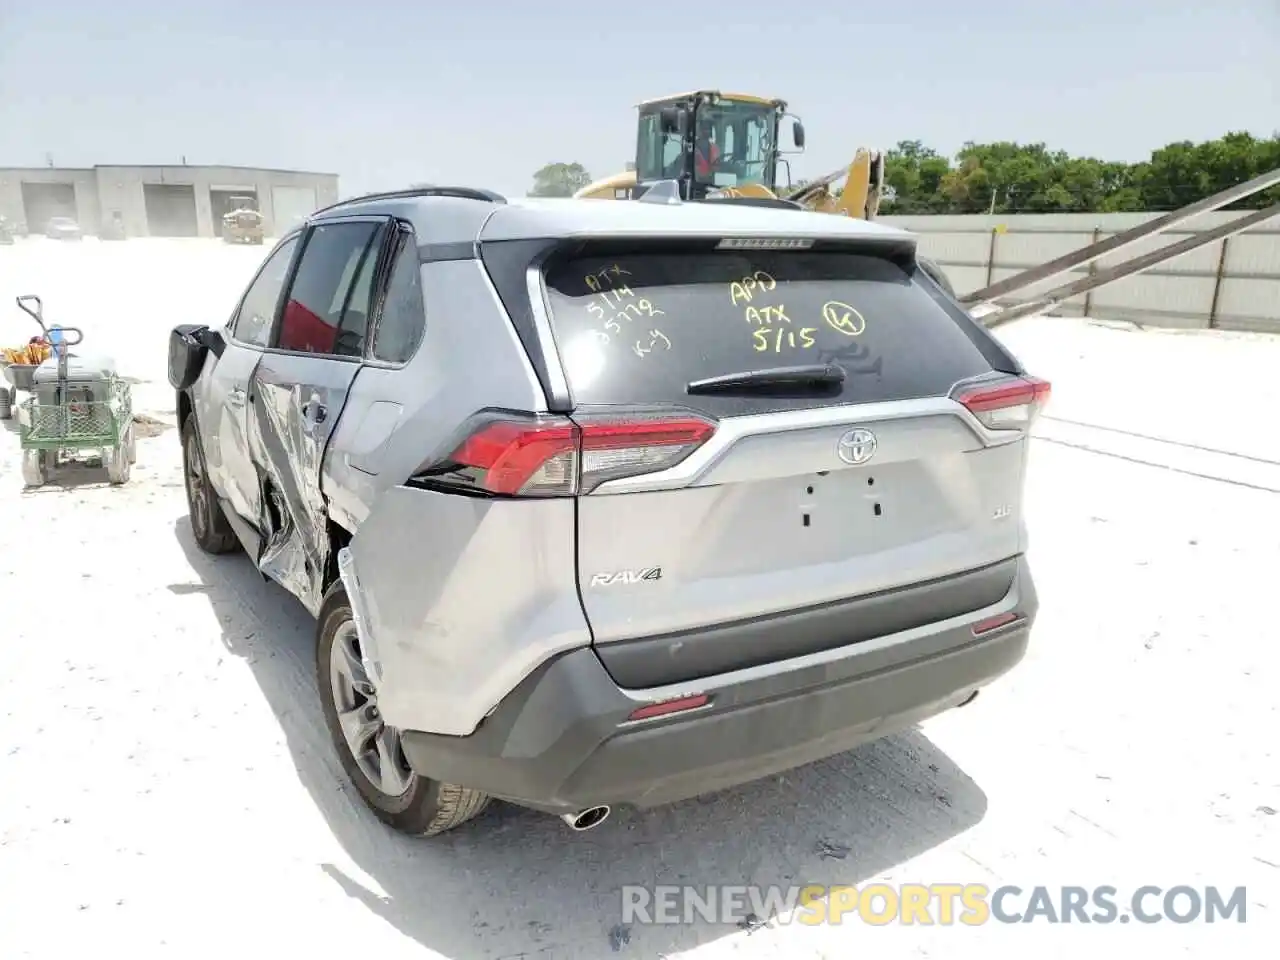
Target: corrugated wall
[1232,285]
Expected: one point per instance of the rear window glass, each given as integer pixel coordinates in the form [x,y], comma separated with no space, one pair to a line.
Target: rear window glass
[638,329]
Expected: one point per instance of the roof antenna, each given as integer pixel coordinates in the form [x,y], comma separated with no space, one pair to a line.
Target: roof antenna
[664,191]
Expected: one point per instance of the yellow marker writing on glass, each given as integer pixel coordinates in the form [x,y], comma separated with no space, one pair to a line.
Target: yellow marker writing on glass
[843,318]
[743,290]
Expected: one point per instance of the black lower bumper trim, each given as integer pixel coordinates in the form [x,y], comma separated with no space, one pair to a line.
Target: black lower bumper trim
[677,657]
[561,741]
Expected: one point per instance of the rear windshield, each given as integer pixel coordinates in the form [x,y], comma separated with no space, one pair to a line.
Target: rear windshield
[637,329]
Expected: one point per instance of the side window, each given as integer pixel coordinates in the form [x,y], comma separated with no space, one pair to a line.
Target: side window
[258,309]
[403,320]
[323,312]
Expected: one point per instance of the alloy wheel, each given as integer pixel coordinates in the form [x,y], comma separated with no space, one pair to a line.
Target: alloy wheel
[374,745]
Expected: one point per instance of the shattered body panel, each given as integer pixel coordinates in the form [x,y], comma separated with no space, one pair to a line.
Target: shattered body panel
[297,401]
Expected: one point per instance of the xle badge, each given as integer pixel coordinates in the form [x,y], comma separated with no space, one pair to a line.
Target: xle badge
[626,576]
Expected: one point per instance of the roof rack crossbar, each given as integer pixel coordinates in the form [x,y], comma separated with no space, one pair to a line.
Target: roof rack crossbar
[459,193]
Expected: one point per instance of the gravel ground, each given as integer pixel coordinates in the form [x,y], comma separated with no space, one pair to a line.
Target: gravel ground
[166,782]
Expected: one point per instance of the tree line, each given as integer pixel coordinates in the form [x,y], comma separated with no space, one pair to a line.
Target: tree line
[1029,178]
[1008,177]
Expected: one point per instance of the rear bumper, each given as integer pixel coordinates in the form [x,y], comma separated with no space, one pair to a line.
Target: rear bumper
[562,741]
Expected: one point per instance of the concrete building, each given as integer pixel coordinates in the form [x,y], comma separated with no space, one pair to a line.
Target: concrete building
[158,201]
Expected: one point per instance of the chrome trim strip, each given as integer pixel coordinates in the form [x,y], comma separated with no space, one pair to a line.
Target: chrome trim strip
[732,429]
[546,338]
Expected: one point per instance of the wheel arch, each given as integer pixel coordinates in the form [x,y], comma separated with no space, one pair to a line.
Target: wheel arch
[339,537]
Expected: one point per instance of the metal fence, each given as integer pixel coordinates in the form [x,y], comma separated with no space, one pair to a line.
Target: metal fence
[1230,285]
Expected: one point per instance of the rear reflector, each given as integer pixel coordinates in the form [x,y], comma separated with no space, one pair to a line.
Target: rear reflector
[558,457]
[665,707]
[1010,404]
[994,623]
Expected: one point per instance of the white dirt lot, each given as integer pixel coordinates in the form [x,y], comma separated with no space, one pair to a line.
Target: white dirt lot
[167,786]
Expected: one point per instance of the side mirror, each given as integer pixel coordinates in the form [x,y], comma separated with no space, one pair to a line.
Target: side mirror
[669,120]
[797,134]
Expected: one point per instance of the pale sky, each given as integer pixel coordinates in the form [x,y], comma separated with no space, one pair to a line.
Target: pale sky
[387,92]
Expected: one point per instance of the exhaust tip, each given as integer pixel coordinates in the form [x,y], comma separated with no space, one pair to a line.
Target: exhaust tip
[588,818]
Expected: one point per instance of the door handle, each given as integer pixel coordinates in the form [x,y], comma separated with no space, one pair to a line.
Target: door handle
[314,411]
[236,397]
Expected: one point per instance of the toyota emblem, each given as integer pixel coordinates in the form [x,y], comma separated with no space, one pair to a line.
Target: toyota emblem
[856,446]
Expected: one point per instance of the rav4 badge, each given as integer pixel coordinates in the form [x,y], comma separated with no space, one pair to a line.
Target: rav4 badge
[626,576]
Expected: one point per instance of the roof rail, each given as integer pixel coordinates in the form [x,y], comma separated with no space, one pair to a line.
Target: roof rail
[426,190]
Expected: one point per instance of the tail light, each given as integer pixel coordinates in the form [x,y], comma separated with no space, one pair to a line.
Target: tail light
[1007,404]
[557,457]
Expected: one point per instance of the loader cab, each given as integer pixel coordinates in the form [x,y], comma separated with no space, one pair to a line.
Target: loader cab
[708,141]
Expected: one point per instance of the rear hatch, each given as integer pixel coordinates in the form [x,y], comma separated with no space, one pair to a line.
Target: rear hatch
[769,433]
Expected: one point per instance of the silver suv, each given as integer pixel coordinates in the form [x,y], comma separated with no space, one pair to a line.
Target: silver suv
[606,504]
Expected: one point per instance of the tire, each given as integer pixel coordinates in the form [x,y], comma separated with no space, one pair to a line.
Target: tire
[35,468]
[119,466]
[424,807]
[209,525]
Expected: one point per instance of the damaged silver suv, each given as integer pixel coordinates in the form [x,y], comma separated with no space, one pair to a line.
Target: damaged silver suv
[606,504]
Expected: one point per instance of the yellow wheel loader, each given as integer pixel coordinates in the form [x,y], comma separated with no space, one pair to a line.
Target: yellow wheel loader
[726,147]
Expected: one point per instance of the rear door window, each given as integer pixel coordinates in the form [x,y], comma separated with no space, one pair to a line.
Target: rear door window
[637,329]
[327,309]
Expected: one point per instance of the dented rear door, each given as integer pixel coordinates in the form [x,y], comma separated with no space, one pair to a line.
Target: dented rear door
[300,389]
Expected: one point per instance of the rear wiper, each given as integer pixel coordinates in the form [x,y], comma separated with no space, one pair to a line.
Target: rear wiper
[812,375]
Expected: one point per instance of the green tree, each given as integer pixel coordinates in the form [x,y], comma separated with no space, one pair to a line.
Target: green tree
[1185,172]
[913,177]
[559,180]
[1009,177]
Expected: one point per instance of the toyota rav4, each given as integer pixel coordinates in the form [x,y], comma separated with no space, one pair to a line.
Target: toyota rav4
[605,504]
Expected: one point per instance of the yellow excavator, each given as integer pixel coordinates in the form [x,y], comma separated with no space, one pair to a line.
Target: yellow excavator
[727,146]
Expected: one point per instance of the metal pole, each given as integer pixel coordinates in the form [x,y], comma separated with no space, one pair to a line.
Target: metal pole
[991,255]
[1217,284]
[1128,268]
[1078,258]
[1093,269]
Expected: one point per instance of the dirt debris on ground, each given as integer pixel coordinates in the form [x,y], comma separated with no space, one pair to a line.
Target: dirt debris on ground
[166,781]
